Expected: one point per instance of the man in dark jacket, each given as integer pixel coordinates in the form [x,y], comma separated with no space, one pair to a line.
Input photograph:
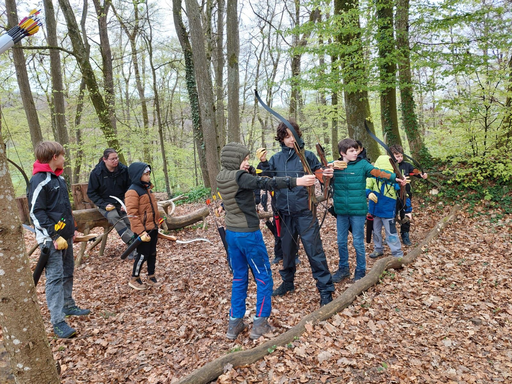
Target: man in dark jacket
[110,178]
[296,217]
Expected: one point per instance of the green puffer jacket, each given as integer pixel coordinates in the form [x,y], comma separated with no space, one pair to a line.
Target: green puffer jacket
[350,187]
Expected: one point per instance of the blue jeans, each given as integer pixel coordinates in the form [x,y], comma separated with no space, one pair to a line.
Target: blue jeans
[248,251]
[391,236]
[357,223]
[59,281]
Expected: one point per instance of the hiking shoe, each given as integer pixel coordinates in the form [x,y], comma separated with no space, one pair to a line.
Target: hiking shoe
[358,275]
[375,254]
[75,310]
[340,274]
[63,331]
[325,298]
[282,290]
[152,282]
[132,255]
[260,327]
[277,259]
[405,239]
[136,283]
[235,327]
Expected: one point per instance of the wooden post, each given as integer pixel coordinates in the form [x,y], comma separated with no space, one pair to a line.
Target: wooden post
[80,198]
[22,203]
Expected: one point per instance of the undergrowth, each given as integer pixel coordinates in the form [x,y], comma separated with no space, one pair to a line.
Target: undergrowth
[471,185]
[199,194]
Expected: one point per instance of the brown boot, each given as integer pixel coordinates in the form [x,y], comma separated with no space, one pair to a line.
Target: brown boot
[235,326]
[136,283]
[152,282]
[260,327]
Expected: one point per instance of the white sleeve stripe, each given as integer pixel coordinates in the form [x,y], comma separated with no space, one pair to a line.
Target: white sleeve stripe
[41,233]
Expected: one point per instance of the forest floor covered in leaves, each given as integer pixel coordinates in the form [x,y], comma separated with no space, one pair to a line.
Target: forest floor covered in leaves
[446,318]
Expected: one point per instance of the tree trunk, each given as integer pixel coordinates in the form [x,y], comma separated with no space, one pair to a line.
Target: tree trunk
[204,82]
[90,79]
[352,62]
[79,155]
[106,58]
[23,332]
[219,74]
[298,41]
[191,89]
[29,106]
[132,37]
[149,45]
[387,69]
[504,140]
[409,117]
[233,57]
[57,99]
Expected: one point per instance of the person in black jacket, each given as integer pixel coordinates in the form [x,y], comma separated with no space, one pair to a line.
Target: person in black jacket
[296,217]
[407,170]
[51,213]
[110,178]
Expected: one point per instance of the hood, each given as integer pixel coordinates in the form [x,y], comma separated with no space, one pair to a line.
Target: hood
[232,155]
[383,162]
[45,167]
[135,170]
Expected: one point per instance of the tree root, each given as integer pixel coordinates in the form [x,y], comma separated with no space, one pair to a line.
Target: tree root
[215,368]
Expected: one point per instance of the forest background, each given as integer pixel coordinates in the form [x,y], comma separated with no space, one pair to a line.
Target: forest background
[170,83]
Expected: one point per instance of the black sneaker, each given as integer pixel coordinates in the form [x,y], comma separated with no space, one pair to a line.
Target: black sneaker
[325,298]
[63,331]
[75,311]
[277,260]
[358,275]
[283,289]
[340,274]
[234,328]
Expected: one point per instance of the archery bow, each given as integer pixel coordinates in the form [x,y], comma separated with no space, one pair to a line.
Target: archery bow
[392,160]
[299,150]
[327,181]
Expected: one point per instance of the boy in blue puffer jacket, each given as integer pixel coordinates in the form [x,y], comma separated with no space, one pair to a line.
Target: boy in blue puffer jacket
[382,206]
[350,204]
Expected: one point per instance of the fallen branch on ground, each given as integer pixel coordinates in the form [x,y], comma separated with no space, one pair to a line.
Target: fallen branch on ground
[215,368]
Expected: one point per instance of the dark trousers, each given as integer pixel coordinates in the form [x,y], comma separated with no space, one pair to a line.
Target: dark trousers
[146,252]
[305,226]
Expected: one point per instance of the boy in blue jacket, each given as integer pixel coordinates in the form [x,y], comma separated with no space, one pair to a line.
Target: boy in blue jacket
[50,211]
[382,206]
[350,204]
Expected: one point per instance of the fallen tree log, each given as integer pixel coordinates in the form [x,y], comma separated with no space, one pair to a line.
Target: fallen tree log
[215,368]
[176,222]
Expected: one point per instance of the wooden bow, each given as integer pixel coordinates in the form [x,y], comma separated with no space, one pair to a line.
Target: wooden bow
[299,150]
[393,162]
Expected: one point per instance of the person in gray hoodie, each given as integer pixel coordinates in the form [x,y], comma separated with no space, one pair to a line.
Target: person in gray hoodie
[246,248]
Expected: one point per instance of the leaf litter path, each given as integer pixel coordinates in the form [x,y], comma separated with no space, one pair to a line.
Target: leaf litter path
[446,318]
